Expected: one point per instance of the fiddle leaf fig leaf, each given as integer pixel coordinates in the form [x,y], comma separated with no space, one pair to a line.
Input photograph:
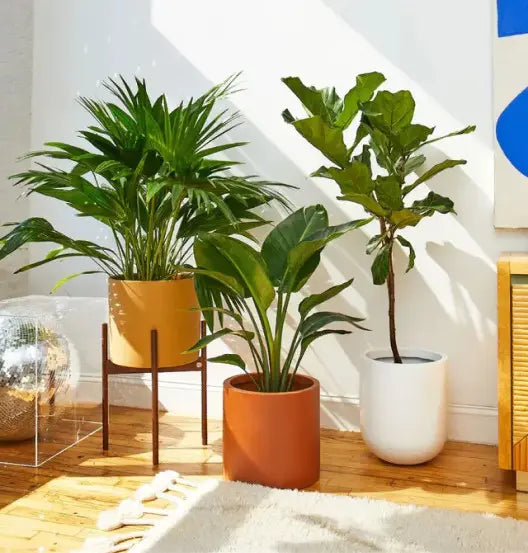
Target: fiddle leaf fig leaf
[411,136]
[389,193]
[380,266]
[433,203]
[412,254]
[374,243]
[465,130]
[369,203]
[412,164]
[323,172]
[430,173]
[325,102]
[366,84]
[355,178]
[361,133]
[287,116]
[405,218]
[364,156]
[390,111]
[328,140]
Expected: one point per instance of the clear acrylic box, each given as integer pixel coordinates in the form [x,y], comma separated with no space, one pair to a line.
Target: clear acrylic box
[44,406]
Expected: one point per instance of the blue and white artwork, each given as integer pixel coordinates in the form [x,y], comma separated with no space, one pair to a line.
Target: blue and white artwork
[512,17]
[511,113]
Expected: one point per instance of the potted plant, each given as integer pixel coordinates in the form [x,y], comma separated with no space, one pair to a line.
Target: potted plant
[403,392]
[271,413]
[152,178]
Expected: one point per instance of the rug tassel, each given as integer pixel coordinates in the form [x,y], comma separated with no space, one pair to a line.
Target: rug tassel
[130,512]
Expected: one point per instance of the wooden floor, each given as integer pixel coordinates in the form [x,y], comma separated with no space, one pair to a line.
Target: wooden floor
[53,508]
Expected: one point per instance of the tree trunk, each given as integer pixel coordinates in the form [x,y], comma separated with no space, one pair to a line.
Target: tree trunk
[392,313]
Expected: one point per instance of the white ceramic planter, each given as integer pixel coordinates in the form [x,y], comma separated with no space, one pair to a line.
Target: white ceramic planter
[403,407]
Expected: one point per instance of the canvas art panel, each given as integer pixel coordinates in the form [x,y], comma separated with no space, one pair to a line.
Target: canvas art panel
[511,113]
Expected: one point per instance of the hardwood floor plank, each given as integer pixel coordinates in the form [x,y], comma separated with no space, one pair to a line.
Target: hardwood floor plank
[56,506]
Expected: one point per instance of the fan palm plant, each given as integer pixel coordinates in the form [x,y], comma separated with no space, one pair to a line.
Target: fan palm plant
[242,283]
[149,175]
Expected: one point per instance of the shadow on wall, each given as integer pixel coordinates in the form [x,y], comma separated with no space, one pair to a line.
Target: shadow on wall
[447,302]
[441,70]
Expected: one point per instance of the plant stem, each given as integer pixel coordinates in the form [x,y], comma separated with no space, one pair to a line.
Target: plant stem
[392,305]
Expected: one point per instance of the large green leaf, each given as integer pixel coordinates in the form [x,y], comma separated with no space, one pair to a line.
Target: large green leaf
[369,203]
[433,203]
[430,173]
[366,84]
[328,140]
[225,254]
[356,178]
[405,218]
[389,193]
[287,235]
[380,266]
[466,130]
[305,257]
[309,303]
[411,136]
[324,103]
[412,254]
[390,111]
[226,280]
[413,163]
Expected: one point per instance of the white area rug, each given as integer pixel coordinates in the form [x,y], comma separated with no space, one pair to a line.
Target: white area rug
[223,517]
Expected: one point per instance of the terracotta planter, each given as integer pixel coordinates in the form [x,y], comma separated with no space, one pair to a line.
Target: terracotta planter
[271,439]
[136,307]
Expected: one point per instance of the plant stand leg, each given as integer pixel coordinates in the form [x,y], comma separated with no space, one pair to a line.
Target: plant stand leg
[155,414]
[105,402]
[203,372]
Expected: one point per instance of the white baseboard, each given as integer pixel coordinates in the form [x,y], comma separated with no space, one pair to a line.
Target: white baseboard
[468,423]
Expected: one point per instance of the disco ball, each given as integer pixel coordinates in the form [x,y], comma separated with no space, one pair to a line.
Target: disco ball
[34,365]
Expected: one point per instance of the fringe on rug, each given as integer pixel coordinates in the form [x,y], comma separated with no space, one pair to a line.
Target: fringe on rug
[133,512]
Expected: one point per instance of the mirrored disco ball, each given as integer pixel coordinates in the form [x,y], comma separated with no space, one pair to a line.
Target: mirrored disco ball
[34,367]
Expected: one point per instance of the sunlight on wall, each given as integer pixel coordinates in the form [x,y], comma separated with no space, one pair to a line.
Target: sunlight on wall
[182,48]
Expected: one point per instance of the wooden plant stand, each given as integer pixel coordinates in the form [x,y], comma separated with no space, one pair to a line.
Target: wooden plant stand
[200,365]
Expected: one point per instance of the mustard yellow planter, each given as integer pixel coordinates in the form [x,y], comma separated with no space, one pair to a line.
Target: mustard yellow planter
[136,307]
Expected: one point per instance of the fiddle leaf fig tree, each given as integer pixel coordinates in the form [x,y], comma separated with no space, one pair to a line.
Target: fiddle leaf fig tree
[384,133]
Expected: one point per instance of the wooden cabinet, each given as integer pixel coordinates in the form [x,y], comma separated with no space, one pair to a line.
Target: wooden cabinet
[512,296]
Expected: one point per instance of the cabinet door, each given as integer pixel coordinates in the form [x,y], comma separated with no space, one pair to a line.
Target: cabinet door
[519,313]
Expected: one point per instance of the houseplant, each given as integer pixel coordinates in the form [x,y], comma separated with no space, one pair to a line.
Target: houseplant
[271,413]
[403,393]
[151,177]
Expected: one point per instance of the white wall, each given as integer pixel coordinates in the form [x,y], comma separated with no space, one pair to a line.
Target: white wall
[439,50]
[16,47]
